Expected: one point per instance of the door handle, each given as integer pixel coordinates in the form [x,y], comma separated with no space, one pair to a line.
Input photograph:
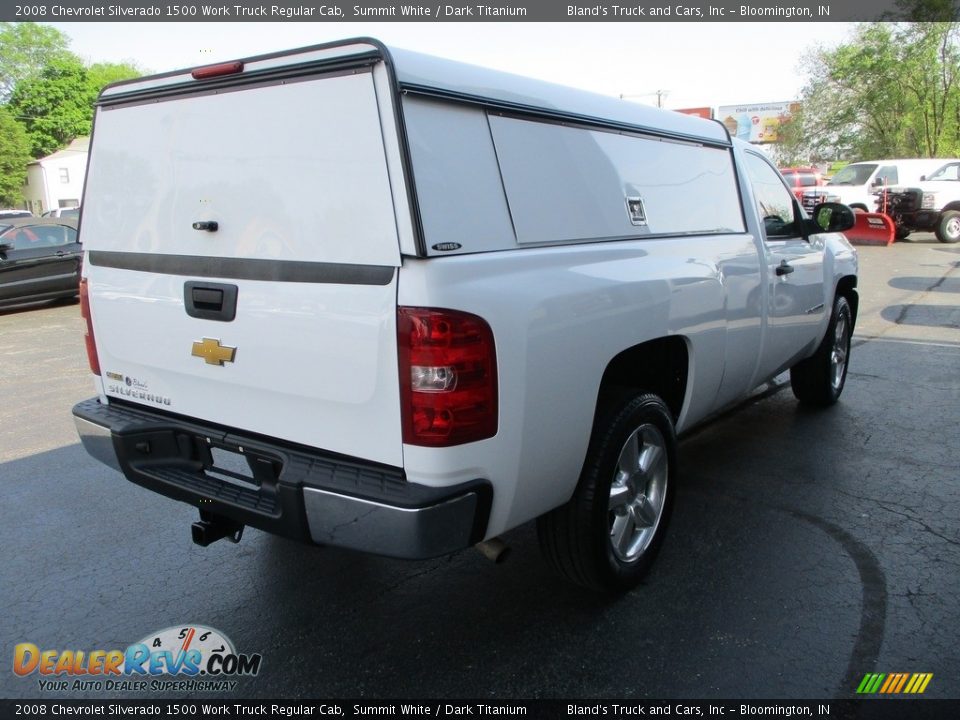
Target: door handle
[784,268]
[60,253]
[208,225]
[210,301]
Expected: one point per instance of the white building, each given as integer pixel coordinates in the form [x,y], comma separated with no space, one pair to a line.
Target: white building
[56,181]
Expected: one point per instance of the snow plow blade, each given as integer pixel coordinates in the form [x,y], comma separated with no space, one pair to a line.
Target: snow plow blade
[871,229]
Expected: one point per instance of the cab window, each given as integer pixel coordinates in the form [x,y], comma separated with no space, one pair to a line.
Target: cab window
[775,203]
[886,175]
[33,237]
[950,171]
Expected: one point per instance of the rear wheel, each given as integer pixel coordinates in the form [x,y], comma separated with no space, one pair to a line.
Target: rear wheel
[608,534]
[948,229]
[819,379]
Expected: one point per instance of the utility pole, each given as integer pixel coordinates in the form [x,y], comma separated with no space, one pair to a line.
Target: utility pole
[661,94]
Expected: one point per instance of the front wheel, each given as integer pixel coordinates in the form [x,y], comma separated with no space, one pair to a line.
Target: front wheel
[819,379]
[948,229]
[901,232]
[607,535]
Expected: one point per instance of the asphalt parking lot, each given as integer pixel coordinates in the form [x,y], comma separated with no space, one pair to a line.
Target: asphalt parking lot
[806,550]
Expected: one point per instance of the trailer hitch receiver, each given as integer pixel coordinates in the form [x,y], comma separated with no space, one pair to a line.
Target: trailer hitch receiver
[211,528]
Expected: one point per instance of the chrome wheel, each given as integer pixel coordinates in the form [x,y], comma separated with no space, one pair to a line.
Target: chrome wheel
[638,492]
[952,227]
[838,354]
[948,228]
[607,535]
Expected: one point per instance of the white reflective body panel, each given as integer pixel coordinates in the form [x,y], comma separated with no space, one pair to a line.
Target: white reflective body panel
[312,172]
[289,171]
[292,173]
[559,315]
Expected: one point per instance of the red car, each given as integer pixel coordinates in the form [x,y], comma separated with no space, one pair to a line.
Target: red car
[799,178]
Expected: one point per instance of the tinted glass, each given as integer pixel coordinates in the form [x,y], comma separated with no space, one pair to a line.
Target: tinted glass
[853,175]
[32,237]
[774,200]
[566,183]
[950,171]
[886,175]
[795,179]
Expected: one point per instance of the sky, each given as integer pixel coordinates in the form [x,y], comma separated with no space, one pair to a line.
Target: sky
[690,64]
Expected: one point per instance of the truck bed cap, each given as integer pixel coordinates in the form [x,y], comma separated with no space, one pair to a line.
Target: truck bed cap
[413,71]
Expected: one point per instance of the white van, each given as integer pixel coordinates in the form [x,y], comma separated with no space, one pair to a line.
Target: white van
[369,298]
[856,184]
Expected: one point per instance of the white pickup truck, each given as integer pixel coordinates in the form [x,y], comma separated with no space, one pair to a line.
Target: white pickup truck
[933,203]
[368,298]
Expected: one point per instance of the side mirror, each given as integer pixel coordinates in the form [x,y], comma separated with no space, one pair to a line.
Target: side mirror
[5,247]
[922,178]
[833,217]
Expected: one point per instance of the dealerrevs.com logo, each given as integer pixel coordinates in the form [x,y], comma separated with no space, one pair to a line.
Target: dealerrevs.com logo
[176,659]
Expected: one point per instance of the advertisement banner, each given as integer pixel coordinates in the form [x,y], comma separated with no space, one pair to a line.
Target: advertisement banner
[757,123]
[704,112]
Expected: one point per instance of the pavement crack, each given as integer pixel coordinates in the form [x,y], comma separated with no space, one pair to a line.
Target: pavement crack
[894,511]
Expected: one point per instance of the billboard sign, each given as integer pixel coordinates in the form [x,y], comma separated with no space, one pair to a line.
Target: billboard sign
[759,123]
[704,112]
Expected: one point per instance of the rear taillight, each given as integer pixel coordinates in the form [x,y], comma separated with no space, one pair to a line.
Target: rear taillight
[88,338]
[448,377]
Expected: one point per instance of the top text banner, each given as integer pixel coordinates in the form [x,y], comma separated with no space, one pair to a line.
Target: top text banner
[465,11]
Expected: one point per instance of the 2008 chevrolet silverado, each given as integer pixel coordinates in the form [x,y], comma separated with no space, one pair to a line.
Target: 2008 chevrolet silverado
[368,298]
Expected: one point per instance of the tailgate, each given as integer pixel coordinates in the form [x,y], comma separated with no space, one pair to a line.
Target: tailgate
[241,260]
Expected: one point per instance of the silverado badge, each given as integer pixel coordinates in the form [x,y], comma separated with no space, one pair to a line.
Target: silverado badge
[213,352]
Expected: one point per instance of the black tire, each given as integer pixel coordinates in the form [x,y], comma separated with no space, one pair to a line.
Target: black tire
[576,537]
[819,380]
[901,232]
[948,227]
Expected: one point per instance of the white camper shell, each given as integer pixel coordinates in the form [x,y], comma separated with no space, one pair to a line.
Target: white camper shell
[375,299]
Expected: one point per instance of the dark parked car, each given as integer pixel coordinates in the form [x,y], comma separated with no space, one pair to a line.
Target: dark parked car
[40,259]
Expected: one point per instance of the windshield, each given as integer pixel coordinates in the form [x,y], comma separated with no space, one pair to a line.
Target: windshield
[947,172]
[853,175]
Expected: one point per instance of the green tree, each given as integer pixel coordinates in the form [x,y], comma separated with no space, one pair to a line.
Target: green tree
[933,86]
[894,90]
[102,74]
[14,156]
[56,106]
[25,48]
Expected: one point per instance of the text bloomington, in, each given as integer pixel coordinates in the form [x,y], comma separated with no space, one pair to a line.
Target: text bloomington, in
[275,11]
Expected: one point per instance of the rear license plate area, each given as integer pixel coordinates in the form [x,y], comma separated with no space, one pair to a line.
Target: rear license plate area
[232,467]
